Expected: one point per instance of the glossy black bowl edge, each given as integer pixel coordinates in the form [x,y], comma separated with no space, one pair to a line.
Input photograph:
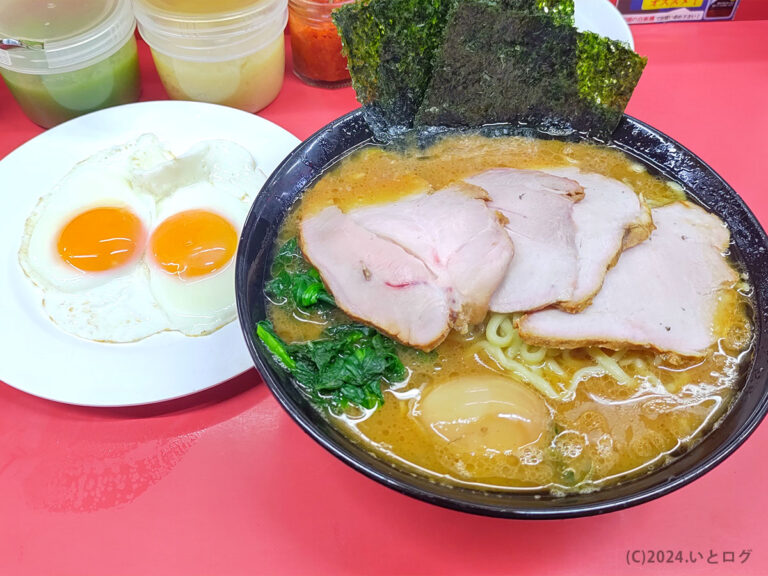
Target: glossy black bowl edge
[327,146]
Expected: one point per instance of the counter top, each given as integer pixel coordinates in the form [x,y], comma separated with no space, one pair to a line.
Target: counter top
[225,483]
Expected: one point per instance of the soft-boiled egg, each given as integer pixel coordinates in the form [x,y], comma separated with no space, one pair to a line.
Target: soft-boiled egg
[483,412]
[133,241]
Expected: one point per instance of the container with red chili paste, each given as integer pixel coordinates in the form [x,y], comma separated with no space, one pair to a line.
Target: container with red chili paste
[315,43]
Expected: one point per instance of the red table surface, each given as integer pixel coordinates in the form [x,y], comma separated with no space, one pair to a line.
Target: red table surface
[225,483]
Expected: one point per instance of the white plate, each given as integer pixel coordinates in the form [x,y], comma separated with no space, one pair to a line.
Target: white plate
[38,357]
[602,17]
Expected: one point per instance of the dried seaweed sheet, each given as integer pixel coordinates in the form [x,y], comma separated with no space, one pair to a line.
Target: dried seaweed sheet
[497,64]
[418,63]
[390,45]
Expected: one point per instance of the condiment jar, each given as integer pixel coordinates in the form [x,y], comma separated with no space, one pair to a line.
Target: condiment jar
[315,43]
[65,58]
[227,52]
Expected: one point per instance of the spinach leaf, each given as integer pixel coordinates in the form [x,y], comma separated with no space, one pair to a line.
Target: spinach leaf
[344,368]
[295,281]
[274,344]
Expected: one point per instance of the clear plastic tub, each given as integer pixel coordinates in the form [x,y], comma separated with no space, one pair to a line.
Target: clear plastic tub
[229,52]
[77,56]
[315,43]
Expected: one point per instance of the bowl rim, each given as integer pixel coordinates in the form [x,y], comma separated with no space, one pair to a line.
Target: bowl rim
[396,478]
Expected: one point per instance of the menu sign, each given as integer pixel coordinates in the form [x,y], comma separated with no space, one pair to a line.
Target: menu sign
[648,11]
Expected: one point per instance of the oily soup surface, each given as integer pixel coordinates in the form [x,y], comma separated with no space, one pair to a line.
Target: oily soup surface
[617,413]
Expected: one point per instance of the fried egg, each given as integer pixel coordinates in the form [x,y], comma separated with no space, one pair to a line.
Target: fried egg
[193,280]
[133,241]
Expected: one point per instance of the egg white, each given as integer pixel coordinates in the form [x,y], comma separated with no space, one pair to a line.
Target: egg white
[227,166]
[121,310]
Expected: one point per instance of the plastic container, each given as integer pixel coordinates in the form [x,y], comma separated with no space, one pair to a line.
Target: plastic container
[227,52]
[315,43]
[78,56]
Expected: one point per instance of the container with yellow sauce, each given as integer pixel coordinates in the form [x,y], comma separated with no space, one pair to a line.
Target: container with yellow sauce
[66,58]
[227,52]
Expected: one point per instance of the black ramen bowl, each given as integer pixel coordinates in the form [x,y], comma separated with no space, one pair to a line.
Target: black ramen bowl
[661,155]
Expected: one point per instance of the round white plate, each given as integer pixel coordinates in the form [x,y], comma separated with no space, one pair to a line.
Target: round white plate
[38,357]
[602,17]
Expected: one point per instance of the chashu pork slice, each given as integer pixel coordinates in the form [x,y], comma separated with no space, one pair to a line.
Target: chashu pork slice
[538,208]
[457,237]
[662,294]
[375,280]
[610,219]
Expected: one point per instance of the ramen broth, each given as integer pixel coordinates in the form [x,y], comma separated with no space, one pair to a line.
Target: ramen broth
[616,413]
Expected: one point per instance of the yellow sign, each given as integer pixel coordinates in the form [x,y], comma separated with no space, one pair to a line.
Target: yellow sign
[661,4]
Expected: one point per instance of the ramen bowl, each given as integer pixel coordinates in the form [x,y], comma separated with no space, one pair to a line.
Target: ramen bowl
[660,155]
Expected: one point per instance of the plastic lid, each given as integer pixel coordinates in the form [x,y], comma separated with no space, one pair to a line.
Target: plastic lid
[201,7]
[210,30]
[73,33]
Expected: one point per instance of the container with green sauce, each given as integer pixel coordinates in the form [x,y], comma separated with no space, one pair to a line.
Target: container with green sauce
[65,58]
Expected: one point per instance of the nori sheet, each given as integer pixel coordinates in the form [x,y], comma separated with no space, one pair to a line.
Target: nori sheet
[418,63]
[607,73]
[497,64]
[390,45]
[560,11]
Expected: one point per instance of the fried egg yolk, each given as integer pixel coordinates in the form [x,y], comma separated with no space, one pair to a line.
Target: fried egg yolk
[193,243]
[101,239]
